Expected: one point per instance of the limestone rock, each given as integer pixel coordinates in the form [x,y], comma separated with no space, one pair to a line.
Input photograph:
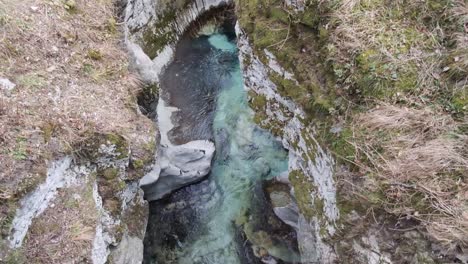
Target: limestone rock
[6,84]
[178,165]
[298,139]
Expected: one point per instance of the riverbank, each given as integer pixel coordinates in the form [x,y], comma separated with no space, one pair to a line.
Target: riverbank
[69,85]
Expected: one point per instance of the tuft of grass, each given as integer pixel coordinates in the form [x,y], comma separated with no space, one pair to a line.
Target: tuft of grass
[111,25]
[70,6]
[20,151]
[32,80]
[4,19]
[95,54]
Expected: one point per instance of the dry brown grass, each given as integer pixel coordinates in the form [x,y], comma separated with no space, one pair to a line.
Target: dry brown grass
[72,81]
[421,167]
[64,233]
[409,120]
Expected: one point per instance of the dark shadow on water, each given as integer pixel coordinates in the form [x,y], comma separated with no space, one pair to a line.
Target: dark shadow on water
[191,83]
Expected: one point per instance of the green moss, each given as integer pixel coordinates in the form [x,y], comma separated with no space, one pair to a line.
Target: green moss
[257,101]
[157,36]
[460,103]
[16,257]
[110,173]
[290,37]
[310,17]
[310,205]
[303,189]
[138,164]
[111,25]
[90,149]
[7,217]
[141,160]
[48,130]
[109,186]
[135,218]
[341,144]
[121,144]
[323,34]
[367,60]
[70,5]
[279,14]
[264,37]
[380,79]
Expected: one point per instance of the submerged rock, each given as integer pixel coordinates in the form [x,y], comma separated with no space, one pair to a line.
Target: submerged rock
[178,219]
[283,202]
[269,237]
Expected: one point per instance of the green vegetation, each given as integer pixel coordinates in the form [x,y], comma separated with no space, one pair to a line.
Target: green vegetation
[383,84]
[69,100]
[32,80]
[292,40]
[157,36]
[91,148]
[259,102]
[20,150]
[109,185]
[16,257]
[303,192]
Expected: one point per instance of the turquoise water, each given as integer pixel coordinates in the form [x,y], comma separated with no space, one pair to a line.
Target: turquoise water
[196,224]
[253,156]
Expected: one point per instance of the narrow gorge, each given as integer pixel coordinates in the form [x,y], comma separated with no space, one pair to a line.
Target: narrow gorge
[246,131]
[240,208]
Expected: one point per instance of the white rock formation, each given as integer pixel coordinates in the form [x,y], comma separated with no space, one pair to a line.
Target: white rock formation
[178,165]
[296,5]
[35,203]
[66,175]
[6,84]
[146,13]
[368,251]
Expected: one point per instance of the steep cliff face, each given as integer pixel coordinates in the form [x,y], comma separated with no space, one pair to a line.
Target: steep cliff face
[355,177]
[310,167]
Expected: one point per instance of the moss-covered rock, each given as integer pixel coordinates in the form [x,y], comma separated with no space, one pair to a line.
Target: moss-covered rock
[103,146]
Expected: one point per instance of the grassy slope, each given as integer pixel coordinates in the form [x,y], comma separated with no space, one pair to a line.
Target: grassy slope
[72,82]
[391,77]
